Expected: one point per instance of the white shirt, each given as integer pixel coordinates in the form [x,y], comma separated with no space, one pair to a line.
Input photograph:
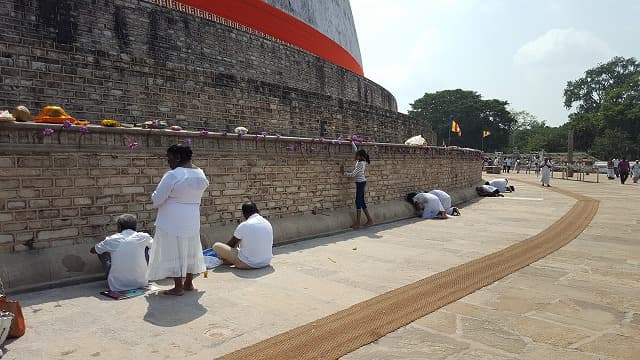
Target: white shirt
[488,189]
[256,241]
[177,198]
[430,204]
[445,200]
[128,263]
[501,184]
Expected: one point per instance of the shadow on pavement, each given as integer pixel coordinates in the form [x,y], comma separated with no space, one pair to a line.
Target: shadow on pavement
[245,273]
[170,311]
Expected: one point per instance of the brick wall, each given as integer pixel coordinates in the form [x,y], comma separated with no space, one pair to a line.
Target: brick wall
[135,61]
[67,189]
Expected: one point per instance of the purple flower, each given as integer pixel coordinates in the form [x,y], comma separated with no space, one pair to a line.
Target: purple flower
[187,141]
[48,132]
[278,136]
[204,133]
[293,148]
[256,137]
[321,139]
[133,145]
[333,141]
[240,134]
[225,133]
[84,129]
[340,140]
[66,124]
[264,134]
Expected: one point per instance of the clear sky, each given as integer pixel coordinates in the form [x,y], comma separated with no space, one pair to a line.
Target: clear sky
[522,51]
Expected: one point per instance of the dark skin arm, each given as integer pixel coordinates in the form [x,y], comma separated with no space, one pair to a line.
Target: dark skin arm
[233,242]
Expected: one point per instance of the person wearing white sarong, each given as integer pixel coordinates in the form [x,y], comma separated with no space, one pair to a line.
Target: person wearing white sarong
[545,173]
[428,205]
[610,172]
[501,184]
[445,200]
[635,171]
[177,252]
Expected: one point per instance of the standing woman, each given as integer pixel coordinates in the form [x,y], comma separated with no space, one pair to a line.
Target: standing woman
[362,159]
[177,252]
[545,172]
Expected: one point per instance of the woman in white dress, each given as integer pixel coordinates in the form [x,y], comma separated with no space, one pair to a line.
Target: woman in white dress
[545,173]
[177,252]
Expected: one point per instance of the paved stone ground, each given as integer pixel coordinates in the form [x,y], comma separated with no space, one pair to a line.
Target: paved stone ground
[582,302]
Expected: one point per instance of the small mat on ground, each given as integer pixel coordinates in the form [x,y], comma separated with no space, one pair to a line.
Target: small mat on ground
[127,294]
[345,331]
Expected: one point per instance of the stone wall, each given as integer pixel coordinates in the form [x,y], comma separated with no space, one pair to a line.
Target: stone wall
[136,61]
[66,189]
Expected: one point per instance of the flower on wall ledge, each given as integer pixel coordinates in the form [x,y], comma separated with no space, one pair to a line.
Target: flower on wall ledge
[66,124]
[84,129]
[133,145]
[204,133]
[48,132]
[187,141]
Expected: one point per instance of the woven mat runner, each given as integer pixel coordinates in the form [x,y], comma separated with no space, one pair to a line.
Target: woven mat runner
[345,331]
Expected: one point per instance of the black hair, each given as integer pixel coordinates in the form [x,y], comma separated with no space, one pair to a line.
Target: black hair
[487,183]
[410,197]
[249,209]
[363,154]
[181,152]
[127,222]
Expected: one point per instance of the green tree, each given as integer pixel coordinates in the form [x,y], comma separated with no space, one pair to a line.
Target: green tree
[607,104]
[589,91]
[471,112]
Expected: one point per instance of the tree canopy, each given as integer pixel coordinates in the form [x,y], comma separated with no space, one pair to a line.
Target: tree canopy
[471,112]
[607,103]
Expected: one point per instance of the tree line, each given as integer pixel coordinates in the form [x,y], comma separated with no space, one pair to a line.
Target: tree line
[605,118]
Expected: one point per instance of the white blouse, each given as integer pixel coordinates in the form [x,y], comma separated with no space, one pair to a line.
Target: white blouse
[177,198]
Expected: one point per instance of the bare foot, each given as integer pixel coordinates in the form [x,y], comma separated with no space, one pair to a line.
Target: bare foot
[173,292]
[188,287]
[369,223]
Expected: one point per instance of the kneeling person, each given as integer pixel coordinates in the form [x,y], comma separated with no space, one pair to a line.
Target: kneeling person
[445,200]
[488,191]
[502,185]
[124,255]
[251,245]
[428,205]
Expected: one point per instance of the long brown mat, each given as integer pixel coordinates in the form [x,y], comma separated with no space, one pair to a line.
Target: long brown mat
[345,331]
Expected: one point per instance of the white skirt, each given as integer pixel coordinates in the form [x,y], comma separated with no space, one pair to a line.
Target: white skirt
[175,256]
[545,176]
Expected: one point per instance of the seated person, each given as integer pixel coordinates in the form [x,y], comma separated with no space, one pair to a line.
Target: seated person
[251,245]
[501,184]
[488,191]
[427,205]
[124,255]
[445,200]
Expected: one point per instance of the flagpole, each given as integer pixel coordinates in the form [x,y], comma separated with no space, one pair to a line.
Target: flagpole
[482,142]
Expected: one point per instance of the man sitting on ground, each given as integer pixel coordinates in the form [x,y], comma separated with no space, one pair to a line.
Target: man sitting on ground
[428,206]
[250,247]
[501,184]
[445,200]
[488,191]
[124,255]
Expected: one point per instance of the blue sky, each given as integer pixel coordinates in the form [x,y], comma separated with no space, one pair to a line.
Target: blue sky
[515,50]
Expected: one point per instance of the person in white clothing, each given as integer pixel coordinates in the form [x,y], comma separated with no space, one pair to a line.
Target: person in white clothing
[445,200]
[488,191]
[427,206]
[545,173]
[251,245]
[177,252]
[501,184]
[635,171]
[123,255]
